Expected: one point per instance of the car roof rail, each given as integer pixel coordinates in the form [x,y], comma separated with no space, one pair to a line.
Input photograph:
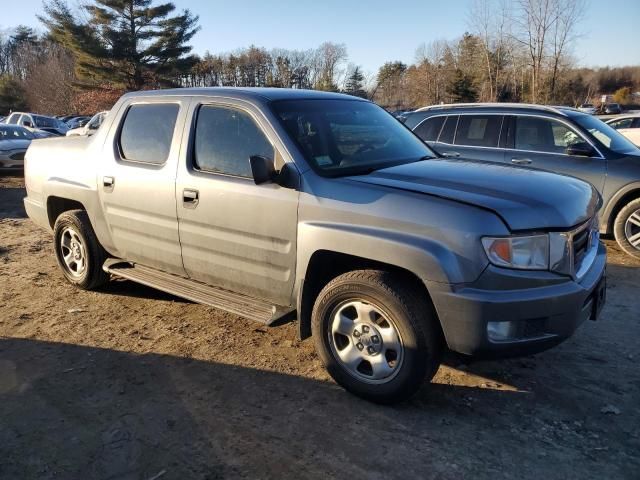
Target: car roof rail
[548,108]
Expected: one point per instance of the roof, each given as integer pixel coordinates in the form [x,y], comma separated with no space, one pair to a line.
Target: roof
[261,93]
[564,111]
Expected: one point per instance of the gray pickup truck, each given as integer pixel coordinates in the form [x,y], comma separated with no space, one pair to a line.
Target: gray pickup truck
[278,204]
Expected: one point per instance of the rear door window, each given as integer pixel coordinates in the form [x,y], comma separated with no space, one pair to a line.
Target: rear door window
[147,132]
[478,130]
[430,128]
[225,139]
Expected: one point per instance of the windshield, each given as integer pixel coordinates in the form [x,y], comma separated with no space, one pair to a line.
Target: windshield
[14,133]
[606,135]
[96,121]
[348,137]
[45,122]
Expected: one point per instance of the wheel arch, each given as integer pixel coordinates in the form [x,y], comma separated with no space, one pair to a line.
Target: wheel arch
[624,196]
[56,206]
[325,265]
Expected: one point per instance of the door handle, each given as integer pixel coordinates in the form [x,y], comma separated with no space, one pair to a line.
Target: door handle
[108,182]
[451,154]
[190,198]
[521,161]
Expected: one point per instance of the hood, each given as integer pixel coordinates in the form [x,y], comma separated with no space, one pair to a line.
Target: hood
[526,199]
[14,144]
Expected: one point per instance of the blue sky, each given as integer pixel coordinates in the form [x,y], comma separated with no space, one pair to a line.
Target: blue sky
[374,31]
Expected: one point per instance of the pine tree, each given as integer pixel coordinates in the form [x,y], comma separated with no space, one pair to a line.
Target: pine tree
[461,89]
[12,96]
[132,43]
[354,85]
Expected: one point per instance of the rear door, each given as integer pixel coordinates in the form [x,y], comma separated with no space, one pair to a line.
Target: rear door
[477,137]
[136,181]
[541,142]
[235,234]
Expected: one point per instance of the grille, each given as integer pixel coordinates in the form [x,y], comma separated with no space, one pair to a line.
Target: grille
[17,156]
[580,246]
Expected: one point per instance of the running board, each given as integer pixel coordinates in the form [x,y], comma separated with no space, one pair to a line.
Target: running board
[236,303]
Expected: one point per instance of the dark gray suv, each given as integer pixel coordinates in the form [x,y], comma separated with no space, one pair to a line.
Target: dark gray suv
[559,139]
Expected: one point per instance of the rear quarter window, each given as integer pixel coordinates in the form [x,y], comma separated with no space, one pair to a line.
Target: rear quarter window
[147,132]
[429,130]
[414,119]
[448,131]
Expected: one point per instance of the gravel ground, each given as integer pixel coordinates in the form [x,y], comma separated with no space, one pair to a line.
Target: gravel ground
[131,383]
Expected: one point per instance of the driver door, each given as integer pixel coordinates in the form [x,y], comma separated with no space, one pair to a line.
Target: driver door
[235,234]
[541,142]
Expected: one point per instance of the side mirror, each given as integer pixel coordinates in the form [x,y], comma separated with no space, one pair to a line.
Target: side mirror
[28,124]
[581,149]
[263,169]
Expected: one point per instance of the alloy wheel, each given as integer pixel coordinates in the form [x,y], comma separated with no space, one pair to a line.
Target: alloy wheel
[365,341]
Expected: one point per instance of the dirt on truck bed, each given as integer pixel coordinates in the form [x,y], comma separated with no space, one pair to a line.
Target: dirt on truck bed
[131,383]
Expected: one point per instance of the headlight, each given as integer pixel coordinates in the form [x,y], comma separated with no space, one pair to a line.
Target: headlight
[521,252]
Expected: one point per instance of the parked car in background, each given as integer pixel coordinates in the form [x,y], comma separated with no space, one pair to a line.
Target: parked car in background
[279,203]
[400,114]
[78,122]
[66,118]
[561,140]
[91,127]
[588,108]
[14,141]
[34,123]
[627,125]
[612,109]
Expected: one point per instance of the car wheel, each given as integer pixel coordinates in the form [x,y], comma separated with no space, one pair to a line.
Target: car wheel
[377,334]
[78,251]
[626,228]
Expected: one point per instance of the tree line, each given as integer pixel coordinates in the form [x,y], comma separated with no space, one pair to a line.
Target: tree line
[86,57]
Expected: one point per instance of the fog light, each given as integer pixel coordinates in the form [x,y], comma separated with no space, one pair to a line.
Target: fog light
[501,331]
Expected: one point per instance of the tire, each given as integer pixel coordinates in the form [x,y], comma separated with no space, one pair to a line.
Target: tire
[75,240]
[626,228]
[384,302]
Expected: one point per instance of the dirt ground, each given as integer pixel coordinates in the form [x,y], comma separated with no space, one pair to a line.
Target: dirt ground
[130,383]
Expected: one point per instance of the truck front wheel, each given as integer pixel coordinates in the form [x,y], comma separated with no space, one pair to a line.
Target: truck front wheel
[377,334]
[78,251]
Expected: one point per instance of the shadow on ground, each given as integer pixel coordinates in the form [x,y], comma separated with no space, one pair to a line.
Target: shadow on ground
[12,206]
[71,411]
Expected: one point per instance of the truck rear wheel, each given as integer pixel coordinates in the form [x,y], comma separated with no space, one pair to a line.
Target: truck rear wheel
[377,335]
[78,251]
[626,228]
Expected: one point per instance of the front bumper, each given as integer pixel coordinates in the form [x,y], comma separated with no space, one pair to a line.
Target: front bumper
[545,309]
[12,159]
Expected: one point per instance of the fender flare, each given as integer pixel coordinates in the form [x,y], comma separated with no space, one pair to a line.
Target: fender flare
[425,258]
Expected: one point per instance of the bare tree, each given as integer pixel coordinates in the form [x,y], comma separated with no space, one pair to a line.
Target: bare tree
[490,21]
[50,78]
[568,14]
[536,19]
[329,57]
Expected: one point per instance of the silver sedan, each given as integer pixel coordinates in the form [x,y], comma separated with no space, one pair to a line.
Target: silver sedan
[14,141]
